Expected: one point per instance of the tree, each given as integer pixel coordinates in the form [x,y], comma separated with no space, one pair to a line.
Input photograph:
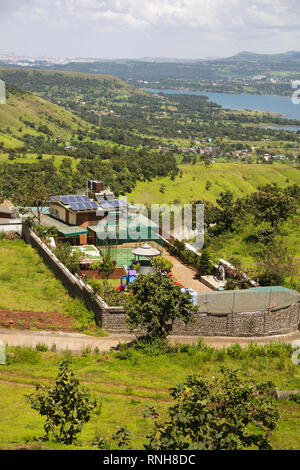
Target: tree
[227,211]
[275,263]
[205,265]
[67,406]
[232,412]
[105,266]
[271,205]
[33,191]
[162,265]
[71,259]
[155,303]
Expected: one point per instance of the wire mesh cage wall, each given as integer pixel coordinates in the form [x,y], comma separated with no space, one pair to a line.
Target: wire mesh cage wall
[258,299]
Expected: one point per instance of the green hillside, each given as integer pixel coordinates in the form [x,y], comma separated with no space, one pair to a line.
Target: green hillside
[240,178]
[70,88]
[25,113]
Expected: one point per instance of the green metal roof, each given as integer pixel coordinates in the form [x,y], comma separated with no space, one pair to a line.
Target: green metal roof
[73,231]
[66,230]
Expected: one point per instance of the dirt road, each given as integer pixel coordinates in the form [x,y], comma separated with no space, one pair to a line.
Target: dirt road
[77,342]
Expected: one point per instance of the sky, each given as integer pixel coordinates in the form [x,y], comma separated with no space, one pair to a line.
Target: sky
[188,29]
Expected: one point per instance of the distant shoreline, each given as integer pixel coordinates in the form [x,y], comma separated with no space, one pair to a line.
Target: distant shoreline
[277,106]
[161,90]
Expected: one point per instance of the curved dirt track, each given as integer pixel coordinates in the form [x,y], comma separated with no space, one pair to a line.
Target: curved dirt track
[76,342]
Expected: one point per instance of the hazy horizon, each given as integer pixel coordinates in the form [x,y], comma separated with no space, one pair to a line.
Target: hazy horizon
[135,29]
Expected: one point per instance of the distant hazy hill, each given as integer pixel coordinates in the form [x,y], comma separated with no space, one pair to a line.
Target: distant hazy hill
[64,84]
[101,73]
[252,56]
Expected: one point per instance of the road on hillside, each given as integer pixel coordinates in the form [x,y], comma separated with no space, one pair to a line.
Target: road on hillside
[76,342]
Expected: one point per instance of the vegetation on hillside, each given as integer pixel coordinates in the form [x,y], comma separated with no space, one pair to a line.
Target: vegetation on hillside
[123,383]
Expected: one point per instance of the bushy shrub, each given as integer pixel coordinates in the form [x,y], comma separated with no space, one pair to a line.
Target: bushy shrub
[152,346]
[23,355]
[107,292]
[41,347]
[295,397]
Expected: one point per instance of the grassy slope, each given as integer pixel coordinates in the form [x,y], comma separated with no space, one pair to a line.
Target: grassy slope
[126,387]
[38,111]
[241,179]
[28,284]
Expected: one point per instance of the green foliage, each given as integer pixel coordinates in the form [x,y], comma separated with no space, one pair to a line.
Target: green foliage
[105,290]
[67,406]
[265,234]
[21,355]
[177,248]
[275,262]
[271,205]
[122,437]
[295,398]
[71,259]
[154,304]
[162,265]
[100,442]
[205,265]
[105,266]
[227,210]
[41,347]
[232,412]
[152,346]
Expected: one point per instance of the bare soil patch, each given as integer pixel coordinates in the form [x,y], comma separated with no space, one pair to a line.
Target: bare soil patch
[23,319]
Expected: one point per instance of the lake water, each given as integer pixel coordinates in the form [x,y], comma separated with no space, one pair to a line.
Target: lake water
[273,104]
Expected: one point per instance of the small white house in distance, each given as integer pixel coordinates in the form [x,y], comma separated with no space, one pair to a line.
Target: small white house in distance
[2,92]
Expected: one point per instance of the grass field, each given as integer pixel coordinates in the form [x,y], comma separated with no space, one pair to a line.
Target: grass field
[32,158]
[240,178]
[37,111]
[28,284]
[124,384]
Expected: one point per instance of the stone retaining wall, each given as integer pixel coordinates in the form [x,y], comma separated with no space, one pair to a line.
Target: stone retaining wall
[241,324]
[113,319]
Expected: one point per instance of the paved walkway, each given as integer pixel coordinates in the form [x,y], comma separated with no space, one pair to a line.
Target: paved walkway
[77,342]
[185,275]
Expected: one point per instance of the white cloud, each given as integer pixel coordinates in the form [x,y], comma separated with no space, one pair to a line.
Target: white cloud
[233,20]
[159,13]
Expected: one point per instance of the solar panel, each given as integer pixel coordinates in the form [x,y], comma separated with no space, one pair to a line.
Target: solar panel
[105,205]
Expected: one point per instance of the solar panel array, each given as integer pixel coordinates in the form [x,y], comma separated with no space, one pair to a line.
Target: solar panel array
[113,204]
[77,203]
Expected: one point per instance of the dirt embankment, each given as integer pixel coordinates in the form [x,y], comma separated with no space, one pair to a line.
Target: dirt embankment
[23,319]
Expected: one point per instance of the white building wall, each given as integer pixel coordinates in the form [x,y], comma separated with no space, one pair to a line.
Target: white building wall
[58,212]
